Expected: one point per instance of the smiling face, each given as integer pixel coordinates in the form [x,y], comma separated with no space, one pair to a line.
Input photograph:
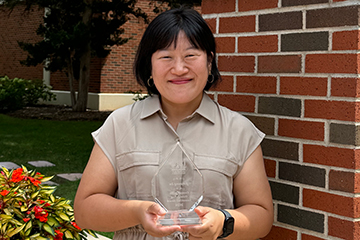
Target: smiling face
[180,73]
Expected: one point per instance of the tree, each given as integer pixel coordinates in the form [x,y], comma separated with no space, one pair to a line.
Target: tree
[73,31]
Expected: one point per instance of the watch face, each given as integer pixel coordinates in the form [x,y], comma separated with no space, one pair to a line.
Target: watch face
[230,226]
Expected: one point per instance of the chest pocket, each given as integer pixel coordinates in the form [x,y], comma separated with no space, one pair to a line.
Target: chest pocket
[136,170]
[218,180]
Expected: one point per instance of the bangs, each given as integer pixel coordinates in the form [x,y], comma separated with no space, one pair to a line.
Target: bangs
[166,36]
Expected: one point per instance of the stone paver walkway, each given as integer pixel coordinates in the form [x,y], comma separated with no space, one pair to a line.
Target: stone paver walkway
[67,176]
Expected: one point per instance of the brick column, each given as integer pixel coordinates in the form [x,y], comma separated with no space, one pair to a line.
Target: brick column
[293,69]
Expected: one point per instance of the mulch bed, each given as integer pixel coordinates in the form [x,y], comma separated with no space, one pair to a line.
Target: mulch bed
[59,113]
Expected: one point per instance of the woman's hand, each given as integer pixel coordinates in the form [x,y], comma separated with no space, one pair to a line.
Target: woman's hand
[211,227]
[149,213]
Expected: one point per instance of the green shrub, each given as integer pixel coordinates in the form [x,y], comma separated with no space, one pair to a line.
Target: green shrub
[17,93]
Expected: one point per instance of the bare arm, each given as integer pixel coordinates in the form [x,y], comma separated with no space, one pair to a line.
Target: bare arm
[254,208]
[254,213]
[96,207]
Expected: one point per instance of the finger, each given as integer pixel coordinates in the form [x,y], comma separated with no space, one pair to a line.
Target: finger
[156,209]
[201,211]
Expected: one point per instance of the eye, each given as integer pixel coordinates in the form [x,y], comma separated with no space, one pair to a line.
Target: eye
[165,57]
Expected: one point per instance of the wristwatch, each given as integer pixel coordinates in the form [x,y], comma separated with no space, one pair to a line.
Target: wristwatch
[228,227]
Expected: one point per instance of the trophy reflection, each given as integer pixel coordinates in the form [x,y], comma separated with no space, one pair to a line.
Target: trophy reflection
[178,187]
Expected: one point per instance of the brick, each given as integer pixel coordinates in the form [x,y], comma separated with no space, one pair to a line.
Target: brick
[345,134]
[279,64]
[280,106]
[225,85]
[237,24]
[280,21]
[212,24]
[258,44]
[307,86]
[265,124]
[249,5]
[16,26]
[340,110]
[346,40]
[237,102]
[289,3]
[345,87]
[280,149]
[256,84]
[331,203]
[332,17]
[332,63]
[331,156]
[302,174]
[309,237]
[284,192]
[315,41]
[344,229]
[236,63]
[301,129]
[214,6]
[344,181]
[270,167]
[225,44]
[280,233]
[301,218]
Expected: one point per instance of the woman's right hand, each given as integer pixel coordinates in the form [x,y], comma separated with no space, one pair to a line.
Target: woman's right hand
[149,214]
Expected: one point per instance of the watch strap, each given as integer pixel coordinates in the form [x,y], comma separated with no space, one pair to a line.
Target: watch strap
[228,226]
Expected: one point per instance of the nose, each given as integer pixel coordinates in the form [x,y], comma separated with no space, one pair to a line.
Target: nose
[179,67]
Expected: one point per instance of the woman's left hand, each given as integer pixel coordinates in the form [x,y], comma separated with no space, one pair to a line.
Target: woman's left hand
[211,227]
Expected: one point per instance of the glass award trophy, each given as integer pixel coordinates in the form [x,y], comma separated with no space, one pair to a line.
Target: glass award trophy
[178,187]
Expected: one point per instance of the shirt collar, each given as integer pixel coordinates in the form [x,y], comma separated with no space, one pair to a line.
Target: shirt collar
[206,109]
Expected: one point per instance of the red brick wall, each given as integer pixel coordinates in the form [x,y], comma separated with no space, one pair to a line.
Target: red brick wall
[117,73]
[18,26]
[292,67]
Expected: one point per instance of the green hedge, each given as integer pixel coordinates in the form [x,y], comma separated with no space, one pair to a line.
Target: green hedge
[17,93]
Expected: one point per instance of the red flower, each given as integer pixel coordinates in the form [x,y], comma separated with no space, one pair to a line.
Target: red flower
[17,175]
[41,214]
[34,181]
[59,235]
[26,219]
[4,192]
[75,226]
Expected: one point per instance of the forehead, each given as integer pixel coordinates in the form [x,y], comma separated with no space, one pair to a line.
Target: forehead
[181,40]
[173,39]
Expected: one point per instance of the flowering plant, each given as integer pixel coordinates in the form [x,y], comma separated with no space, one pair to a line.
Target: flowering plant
[29,210]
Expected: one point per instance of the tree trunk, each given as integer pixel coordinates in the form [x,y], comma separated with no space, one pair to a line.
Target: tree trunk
[84,79]
[70,72]
[84,76]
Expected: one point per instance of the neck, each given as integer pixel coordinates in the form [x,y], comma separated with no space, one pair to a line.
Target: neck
[177,112]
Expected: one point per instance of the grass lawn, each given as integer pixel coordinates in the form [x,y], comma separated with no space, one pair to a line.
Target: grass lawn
[67,144]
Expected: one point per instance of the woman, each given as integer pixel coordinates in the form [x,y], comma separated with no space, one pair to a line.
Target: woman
[176,63]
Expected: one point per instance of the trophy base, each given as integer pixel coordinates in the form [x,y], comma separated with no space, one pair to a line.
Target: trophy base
[180,217]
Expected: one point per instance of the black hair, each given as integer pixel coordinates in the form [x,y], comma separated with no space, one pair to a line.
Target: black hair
[163,31]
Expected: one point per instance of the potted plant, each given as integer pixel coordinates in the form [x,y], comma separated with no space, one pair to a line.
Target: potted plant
[29,210]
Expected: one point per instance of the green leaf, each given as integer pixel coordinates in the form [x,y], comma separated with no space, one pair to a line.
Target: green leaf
[5,216]
[49,229]
[64,216]
[69,235]
[28,228]
[53,222]
[35,194]
[15,231]
[45,179]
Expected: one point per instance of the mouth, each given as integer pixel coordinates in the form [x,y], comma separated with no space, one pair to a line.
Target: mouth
[180,80]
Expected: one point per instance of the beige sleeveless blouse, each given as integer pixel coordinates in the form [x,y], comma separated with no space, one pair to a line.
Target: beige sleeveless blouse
[136,138]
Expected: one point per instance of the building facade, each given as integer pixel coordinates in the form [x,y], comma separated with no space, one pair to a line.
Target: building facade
[292,67]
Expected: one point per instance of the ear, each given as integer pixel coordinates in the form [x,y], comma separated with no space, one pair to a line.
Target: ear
[210,58]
